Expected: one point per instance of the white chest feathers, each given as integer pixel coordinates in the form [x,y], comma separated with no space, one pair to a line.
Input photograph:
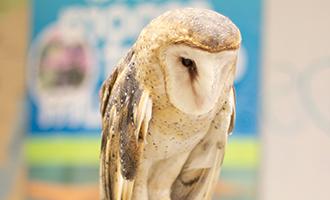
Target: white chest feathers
[163,146]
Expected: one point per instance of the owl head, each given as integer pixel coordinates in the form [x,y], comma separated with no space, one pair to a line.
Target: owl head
[196,51]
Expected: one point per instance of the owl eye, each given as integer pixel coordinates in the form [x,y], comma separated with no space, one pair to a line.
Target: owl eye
[191,66]
[188,62]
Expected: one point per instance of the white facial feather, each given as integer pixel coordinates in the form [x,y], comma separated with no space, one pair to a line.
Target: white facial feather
[197,95]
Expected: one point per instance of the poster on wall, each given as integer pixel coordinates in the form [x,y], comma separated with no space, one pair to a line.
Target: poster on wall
[74,45]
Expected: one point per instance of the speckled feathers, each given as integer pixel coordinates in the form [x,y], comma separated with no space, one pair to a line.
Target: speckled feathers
[200,28]
[143,133]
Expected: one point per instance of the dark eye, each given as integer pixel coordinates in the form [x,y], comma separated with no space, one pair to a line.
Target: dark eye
[191,67]
[188,62]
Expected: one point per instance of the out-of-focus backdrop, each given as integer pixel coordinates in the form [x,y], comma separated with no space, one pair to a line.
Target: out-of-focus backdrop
[54,56]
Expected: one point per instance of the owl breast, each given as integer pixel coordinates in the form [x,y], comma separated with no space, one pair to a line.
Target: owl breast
[173,133]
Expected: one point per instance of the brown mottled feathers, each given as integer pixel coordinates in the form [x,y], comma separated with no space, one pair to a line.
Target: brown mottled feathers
[233,114]
[198,28]
[126,111]
[126,106]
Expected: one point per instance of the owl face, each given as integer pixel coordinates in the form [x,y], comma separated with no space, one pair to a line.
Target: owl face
[195,78]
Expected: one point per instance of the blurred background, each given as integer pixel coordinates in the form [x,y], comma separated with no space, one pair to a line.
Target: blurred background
[54,56]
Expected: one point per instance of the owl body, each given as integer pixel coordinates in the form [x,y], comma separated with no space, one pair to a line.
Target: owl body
[171,138]
[172,131]
[168,107]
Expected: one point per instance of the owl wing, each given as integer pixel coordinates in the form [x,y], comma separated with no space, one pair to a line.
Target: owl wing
[200,172]
[126,111]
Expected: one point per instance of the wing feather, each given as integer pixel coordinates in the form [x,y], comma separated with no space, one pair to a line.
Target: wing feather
[233,114]
[126,111]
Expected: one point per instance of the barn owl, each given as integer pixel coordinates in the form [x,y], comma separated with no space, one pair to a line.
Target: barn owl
[168,107]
